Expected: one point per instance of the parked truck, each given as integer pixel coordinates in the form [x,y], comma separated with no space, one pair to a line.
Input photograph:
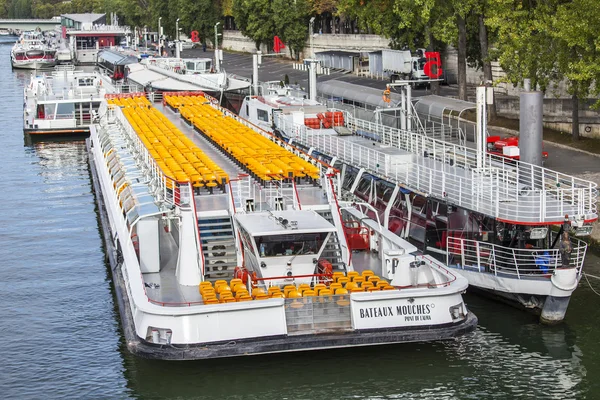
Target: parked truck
[403,65]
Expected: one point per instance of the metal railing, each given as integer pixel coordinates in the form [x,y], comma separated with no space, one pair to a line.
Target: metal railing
[509,190]
[313,314]
[491,258]
[167,189]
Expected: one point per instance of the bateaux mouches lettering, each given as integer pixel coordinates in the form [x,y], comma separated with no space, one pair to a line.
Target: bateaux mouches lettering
[389,311]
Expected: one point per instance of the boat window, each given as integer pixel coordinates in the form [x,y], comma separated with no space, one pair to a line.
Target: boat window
[349,177]
[292,244]
[262,115]
[364,184]
[418,204]
[247,111]
[190,66]
[48,111]
[65,110]
[384,191]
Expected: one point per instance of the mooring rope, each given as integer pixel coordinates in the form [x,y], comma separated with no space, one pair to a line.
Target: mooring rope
[585,275]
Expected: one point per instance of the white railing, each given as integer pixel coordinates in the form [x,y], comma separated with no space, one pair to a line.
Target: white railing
[167,189]
[513,191]
[499,260]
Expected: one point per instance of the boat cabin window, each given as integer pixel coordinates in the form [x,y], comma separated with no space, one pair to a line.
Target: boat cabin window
[65,110]
[46,111]
[262,115]
[349,177]
[292,244]
[89,81]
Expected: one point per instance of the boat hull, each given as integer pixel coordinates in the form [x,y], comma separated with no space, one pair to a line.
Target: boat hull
[536,295]
[33,64]
[251,346]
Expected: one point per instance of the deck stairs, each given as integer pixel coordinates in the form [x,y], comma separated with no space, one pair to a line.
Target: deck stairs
[218,246]
[333,251]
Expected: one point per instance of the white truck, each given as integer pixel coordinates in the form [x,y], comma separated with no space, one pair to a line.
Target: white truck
[402,65]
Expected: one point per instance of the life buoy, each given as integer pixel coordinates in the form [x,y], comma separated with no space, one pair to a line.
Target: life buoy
[241,273]
[325,269]
[387,95]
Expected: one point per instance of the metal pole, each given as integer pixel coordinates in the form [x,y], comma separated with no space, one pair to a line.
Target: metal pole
[177,54]
[310,35]
[217,66]
[404,111]
[159,41]
[255,73]
[408,108]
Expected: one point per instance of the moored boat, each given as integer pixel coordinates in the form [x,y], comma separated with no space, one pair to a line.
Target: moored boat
[506,225]
[223,243]
[32,52]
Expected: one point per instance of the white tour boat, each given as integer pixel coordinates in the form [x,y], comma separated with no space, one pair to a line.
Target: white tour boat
[64,101]
[488,217]
[181,74]
[222,243]
[32,51]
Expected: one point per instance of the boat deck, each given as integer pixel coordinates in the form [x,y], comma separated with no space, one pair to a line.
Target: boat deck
[506,191]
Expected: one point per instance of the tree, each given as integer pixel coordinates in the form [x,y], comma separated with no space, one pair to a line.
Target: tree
[291,23]
[255,20]
[575,27]
[525,47]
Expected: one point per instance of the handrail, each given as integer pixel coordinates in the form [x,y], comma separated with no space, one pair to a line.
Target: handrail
[496,259]
[513,192]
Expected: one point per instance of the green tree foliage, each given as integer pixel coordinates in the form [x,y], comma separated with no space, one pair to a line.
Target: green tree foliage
[255,19]
[525,47]
[201,16]
[291,23]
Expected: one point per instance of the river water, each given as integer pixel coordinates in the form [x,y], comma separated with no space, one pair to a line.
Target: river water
[62,336]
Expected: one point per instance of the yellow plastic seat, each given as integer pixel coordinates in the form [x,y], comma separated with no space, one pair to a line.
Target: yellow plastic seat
[246,297]
[242,293]
[211,301]
[367,272]
[223,288]
[381,284]
[351,285]
[288,288]
[273,289]
[293,294]
[235,281]
[343,280]
[335,286]
[261,296]
[389,287]
[277,295]
[352,274]
[309,293]
[258,291]
[367,285]
[358,280]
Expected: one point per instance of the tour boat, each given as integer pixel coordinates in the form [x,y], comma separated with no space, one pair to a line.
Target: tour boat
[32,52]
[224,242]
[180,74]
[499,222]
[64,101]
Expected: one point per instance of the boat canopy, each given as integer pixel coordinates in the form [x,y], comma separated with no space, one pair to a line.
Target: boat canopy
[372,97]
[116,58]
[438,106]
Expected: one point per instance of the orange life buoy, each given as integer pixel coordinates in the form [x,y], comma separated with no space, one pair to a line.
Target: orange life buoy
[325,269]
[241,273]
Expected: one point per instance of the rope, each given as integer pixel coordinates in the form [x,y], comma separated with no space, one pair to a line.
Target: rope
[588,282]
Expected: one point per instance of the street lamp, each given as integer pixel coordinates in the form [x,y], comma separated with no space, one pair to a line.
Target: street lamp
[217,66]
[159,42]
[177,30]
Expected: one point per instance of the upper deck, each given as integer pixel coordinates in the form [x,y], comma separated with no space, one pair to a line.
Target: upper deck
[513,192]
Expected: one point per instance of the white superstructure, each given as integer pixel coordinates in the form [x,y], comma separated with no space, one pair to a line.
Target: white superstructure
[32,51]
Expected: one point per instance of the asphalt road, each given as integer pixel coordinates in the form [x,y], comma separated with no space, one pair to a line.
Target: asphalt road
[564,160]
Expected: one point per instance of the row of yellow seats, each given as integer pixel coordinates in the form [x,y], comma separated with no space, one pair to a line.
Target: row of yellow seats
[174,153]
[178,101]
[139,101]
[261,155]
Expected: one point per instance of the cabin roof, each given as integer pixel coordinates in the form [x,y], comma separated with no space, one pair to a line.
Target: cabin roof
[265,223]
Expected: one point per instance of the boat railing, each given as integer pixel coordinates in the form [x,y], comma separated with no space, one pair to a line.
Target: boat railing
[318,314]
[165,188]
[241,190]
[278,195]
[513,191]
[481,256]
